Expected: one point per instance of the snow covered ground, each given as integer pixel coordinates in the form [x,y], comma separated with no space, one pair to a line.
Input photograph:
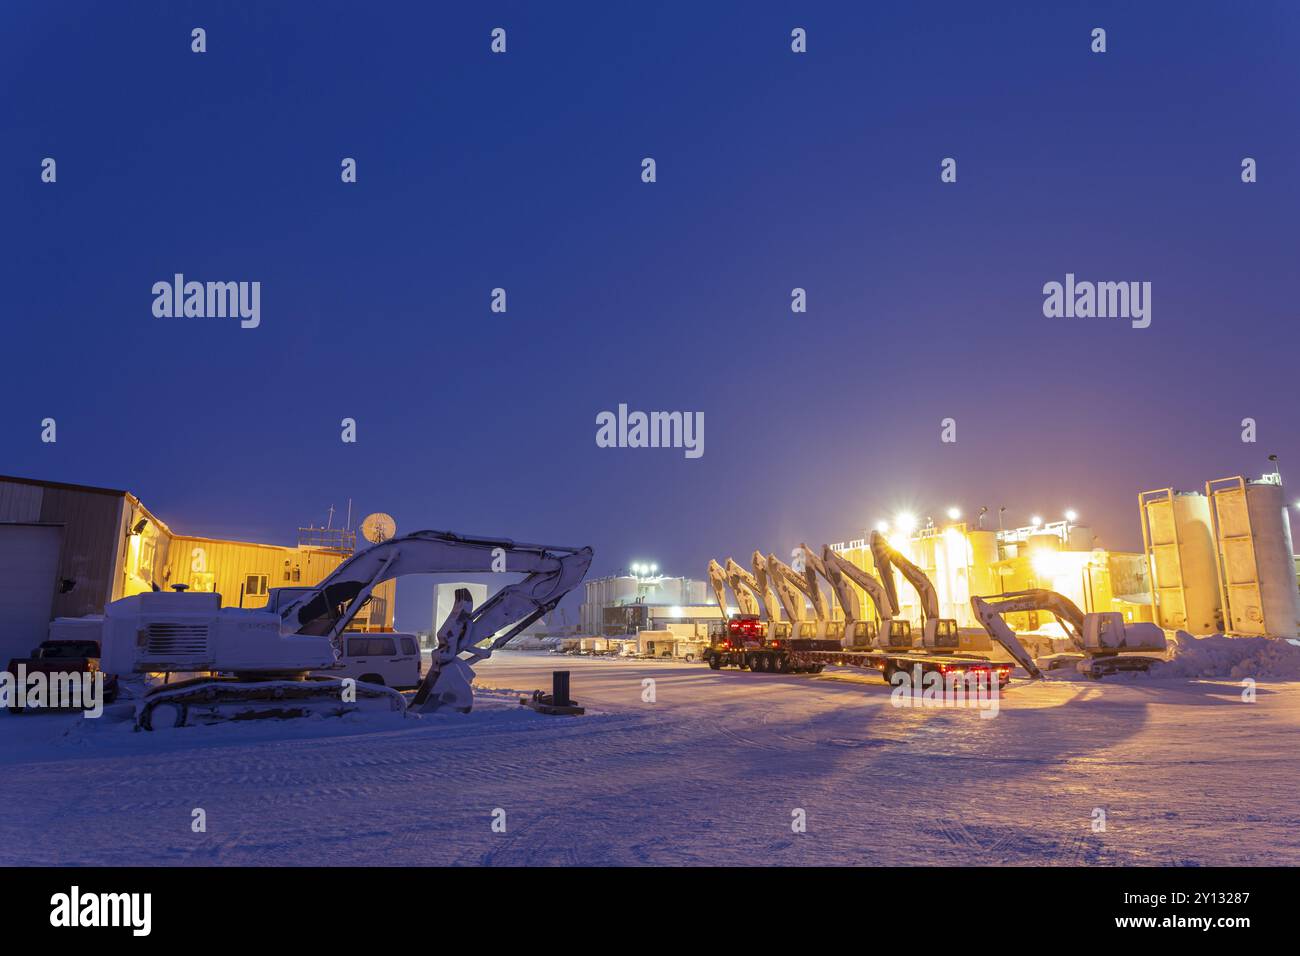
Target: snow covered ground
[710,772]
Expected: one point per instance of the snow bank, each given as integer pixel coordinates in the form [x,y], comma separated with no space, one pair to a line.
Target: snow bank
[1263,658]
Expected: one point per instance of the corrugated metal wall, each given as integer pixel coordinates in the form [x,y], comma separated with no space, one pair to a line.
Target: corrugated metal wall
[92,538]
[92,545]
[19,502]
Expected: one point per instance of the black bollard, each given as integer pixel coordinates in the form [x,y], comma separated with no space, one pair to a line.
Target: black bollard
[560,688]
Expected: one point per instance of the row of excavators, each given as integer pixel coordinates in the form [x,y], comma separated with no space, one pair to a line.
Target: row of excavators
[1102,641]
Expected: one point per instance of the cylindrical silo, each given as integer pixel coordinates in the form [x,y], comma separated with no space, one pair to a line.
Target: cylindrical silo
[1254,539]
[1183,562]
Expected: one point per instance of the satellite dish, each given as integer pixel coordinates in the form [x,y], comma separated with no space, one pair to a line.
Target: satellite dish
[378,527]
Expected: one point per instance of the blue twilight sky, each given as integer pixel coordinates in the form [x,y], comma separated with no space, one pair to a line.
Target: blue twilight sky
[775,170]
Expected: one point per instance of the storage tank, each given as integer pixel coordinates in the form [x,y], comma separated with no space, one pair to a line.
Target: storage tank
[1253,534]
[1180,549]
[983,558]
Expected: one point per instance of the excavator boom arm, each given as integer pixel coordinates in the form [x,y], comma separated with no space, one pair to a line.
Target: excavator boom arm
[799,586]
[843,570]
[549,572]
[745,587]
[887,557]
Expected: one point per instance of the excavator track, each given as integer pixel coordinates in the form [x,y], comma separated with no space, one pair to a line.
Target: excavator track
[214,699]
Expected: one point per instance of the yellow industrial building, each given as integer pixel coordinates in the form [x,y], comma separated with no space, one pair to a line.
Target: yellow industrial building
[68,550]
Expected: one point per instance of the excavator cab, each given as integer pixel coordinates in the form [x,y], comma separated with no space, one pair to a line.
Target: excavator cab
[897,636]
[864,634]
[941,635]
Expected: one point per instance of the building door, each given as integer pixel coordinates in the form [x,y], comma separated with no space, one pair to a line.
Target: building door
[29,565]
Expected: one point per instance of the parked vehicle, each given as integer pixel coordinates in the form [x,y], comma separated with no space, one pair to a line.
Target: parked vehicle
[388,659]
[62,657]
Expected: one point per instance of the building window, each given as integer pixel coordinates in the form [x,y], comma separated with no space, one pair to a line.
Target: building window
[255,585]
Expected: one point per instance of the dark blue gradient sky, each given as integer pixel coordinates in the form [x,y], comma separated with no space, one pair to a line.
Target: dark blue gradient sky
[522,171]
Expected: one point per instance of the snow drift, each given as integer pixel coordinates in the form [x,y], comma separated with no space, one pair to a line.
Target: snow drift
[1264,658]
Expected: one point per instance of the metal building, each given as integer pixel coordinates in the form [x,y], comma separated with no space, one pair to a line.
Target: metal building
[68,550]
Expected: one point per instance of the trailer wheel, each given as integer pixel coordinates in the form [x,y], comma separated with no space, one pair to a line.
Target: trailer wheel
[715,663]
[786,666]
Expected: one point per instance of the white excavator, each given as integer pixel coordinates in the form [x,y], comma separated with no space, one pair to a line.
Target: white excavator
[1105,643]
[796,587]
[257,662]
[939,635]
[771,600]
[889,633]
[814,572]
[750,596]
[718,580]
[791,599]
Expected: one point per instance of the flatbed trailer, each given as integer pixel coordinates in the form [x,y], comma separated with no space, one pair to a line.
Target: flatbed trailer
[812,656]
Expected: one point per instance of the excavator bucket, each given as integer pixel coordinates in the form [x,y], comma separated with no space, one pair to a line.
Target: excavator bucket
[451,688]
[450,681]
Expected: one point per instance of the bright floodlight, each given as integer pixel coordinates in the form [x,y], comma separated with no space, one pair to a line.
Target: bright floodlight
[636,569]
[954,513]
[654,569]
[1071,515]
[883,526]
[1035,521]
[905,522]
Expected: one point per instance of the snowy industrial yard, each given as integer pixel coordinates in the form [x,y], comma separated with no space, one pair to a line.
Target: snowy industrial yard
[709,773]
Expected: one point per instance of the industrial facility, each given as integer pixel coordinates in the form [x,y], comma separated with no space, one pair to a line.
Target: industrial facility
[69,550]
[1219,560]
[624,604]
